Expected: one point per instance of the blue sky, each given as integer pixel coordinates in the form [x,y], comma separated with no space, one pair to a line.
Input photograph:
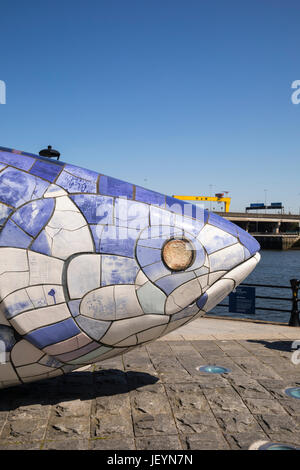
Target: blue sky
[172,95]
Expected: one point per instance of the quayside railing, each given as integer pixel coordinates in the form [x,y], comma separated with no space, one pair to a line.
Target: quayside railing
[294,299]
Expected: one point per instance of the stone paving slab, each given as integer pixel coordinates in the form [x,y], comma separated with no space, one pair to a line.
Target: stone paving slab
[155,398]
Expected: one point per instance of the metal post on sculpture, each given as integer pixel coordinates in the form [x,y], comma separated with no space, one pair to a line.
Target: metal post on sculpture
[294,319]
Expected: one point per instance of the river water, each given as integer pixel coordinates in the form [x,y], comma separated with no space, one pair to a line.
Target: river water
[275,268]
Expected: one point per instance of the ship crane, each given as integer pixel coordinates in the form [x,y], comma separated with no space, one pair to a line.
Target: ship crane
[219,197]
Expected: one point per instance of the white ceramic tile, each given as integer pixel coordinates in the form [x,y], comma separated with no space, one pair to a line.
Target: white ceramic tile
[33,370]
[227,258]
[189,311]
[28,321]
[203,280]
[141,279]
[12,281]
[213,277]
[217,293]
[93,328]
[7,372]
[171,306]
[13,259]
[239,273]
[68,345]
[201,271]
[44,269]
[127,304]
[37,296]
[214,238]
[16,302]
[50,233]
[67,243]
[57,298]
[187,293]
[121,329]
[150,335]
[91,357]
[130,341]
[65,204]
[67,220]
[99,304]
[83,275]
[53,373]
[24,353]
[151,298]
[54,191]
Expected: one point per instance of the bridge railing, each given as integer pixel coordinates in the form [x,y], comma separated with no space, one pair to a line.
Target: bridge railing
[293,300]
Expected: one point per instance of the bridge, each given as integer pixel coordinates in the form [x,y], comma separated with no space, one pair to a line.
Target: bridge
[272,231]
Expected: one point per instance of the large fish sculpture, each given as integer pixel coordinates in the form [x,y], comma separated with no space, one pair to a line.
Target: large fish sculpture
[92,267]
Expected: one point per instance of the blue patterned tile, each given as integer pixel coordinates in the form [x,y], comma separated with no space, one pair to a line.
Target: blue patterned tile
[88,175]
[74,184]
[96,209]
[131,214]
[156,271]
[53,334]
[74,307]
[222,223]
[12,310]
[169,283]
[94,328]
[152,242]
[118,270]
[114,187]
[97,233]
[7,336]
[17,187]
[40,188]
[14,159]
[32,217]
[147,255]
[118,240]
[160,216]
[4,213]
[12,235]
[248,241]
[47,170]
[159,231]
[149,197]
[41,244]
[185,208]
[202,301]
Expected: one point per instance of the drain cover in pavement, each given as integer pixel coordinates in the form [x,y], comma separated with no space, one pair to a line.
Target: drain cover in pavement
[213,369]
[265,445]
[293,392]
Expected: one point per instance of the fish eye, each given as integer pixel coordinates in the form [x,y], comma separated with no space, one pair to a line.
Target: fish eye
[177,254]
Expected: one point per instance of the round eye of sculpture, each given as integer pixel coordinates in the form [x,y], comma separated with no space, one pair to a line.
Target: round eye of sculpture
[178,255]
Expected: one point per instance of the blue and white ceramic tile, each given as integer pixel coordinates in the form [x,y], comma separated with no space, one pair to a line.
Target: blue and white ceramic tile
[82,267]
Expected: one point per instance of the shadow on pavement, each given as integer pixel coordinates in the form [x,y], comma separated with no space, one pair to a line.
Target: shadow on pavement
[277,345]
[74,386]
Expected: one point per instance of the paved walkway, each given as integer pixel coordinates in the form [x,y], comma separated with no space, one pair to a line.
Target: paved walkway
[155,398]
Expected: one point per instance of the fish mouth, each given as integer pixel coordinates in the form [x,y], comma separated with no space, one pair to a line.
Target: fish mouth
[226,284]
